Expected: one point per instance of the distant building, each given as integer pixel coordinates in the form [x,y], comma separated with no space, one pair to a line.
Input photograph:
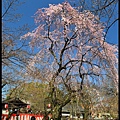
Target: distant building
[72,111]
[12,104]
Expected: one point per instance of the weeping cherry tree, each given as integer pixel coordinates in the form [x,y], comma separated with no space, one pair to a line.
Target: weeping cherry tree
[72,51]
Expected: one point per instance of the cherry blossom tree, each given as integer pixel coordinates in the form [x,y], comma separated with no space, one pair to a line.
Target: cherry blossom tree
[72,51]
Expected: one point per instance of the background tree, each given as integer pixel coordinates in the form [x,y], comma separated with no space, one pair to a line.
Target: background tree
[33,93]
[15,53]
[72,51]
[109,98]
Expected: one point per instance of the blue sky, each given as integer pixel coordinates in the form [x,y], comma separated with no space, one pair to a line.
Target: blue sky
[30,7]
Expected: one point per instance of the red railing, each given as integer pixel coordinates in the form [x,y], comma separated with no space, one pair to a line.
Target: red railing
[22,116]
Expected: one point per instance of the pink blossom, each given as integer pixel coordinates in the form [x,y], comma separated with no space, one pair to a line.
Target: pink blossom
[72,39]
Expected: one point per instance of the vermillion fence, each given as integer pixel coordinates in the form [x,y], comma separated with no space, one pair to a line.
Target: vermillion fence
[21,116]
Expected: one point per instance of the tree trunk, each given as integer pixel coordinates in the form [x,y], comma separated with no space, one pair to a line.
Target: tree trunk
[86,115]
[57,112]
